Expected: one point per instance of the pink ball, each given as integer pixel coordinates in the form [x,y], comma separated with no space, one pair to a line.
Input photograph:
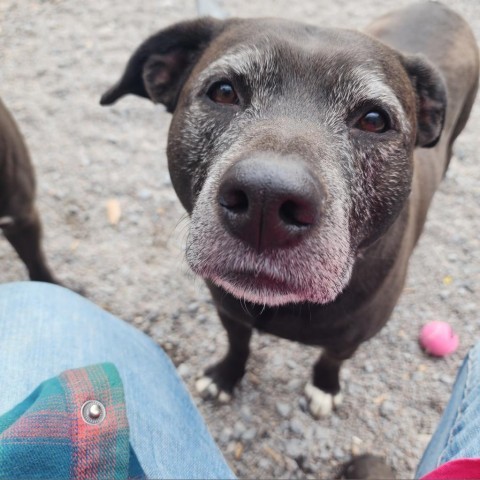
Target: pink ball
[438,339]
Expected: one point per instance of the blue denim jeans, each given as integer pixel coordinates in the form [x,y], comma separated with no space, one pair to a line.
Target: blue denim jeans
[458,433]
[46,329]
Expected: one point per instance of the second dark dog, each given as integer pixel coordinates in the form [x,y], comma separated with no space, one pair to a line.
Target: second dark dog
[19,218]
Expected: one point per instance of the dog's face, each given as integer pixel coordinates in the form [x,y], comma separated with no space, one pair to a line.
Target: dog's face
[290,146]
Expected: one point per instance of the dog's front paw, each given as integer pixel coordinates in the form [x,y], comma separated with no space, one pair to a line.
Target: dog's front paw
[207,388]
[321,403]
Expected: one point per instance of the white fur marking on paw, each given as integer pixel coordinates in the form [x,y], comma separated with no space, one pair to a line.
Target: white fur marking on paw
[224,397]
[202,384]
[207,388]
[213,390]
[6,221]
[321,403]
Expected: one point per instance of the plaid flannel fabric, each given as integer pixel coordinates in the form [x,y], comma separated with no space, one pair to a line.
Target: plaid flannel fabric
[46,435]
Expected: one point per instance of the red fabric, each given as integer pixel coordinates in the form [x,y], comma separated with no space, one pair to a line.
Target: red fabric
[461,469]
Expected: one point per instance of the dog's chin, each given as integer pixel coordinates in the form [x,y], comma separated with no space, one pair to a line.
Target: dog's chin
[265,291]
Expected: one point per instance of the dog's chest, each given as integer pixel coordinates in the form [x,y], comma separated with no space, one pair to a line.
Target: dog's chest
[303,324]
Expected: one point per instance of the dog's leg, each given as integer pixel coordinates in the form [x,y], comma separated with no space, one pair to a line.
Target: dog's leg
[25,236]
[220,379]
[323,393]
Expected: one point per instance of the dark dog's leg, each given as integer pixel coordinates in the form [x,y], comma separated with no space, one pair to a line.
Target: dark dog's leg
[25,236]
[326,373]
[220,379]
[324,393]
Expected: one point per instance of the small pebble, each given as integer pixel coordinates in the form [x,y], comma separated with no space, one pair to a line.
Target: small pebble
[290,464]
[424,438]
[338,453]
[323,433]
[368,367]
[284,409]
[183,370]
[418,376]
[265,464]
[387,409]
[192,307]
[249,434]
[277,360]
[303,404]
[446,379]
[452,257]
[239,429]
[295,384]
[444,295]
[295,448]
[144,194]
[335,421]
[291,364]
[246,413]
[371,424]
[226,435]
[470,308]
[167,181]
[296,426]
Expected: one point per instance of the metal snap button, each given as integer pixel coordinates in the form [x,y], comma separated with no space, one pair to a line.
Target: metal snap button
[93,412]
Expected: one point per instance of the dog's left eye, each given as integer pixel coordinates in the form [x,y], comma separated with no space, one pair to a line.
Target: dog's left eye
[374,122]
[223,93]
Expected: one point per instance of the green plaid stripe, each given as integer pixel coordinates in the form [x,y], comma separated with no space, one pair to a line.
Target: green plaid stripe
[45,436]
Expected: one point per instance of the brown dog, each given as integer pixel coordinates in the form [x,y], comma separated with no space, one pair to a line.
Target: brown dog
[19,219]
[307,159]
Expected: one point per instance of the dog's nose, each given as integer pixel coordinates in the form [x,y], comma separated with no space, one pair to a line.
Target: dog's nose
[269,202]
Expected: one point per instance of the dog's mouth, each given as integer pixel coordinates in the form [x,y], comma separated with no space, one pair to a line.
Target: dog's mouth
[257,281]
[257,287]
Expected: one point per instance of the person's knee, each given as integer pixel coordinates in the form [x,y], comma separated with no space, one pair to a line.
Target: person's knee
[30,299]
[24,290]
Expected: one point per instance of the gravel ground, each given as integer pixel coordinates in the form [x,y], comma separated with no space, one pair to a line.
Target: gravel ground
[56,58]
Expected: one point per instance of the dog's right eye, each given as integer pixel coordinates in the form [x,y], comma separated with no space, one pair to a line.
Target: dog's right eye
[223,93]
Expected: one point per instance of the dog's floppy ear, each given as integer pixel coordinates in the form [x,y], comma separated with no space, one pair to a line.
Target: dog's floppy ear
[162,63]
[431,99]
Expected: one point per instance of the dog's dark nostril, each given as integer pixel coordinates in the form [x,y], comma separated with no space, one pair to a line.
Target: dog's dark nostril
[234,200]
[297,214]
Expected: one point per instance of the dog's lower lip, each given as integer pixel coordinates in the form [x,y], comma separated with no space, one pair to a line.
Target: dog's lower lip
[256,280]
